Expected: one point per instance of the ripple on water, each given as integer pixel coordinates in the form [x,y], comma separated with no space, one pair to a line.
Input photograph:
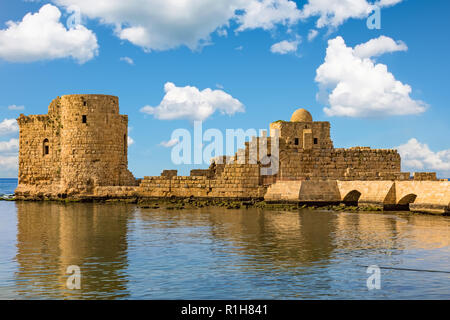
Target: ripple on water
[213,253]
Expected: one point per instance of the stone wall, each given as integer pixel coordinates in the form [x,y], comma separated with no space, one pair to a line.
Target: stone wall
[81,143]
[344,164]
[40,151]
[235,181]
[424,176]
[307,153]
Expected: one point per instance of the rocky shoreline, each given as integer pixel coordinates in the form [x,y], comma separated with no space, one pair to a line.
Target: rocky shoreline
[194,203]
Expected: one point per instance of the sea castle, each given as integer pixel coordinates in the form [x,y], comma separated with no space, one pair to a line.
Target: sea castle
[78,150]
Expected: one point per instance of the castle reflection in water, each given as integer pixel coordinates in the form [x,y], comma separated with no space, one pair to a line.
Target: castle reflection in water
[105,240]
[51,237]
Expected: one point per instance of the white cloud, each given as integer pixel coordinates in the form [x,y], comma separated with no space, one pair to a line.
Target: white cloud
[127,60]
[312,34]
[9,166]
[333,13]
[14,107]
[8,158]
[41,36]
[170,143]
[356,87]
[161,24]
[191,103]
[8,126]
[418,156]
[9,146]
[222,32]
[284,47]
[239,48]
[168,24]
[266,14]
[130,141]
[379,46]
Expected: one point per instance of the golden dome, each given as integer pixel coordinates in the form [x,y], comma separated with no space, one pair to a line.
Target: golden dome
[301,115]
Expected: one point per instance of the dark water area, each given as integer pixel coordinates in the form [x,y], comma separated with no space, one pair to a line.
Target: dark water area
[127,252]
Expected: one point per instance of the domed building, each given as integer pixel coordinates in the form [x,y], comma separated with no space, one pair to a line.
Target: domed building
[301,115]
[307,152]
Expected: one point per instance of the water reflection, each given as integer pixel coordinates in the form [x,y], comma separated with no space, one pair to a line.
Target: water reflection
[214,253]
[281,238]
[391,231]
[53,236]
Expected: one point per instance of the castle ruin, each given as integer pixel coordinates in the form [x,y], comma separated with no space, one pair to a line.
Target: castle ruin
[79,150]
[81,143]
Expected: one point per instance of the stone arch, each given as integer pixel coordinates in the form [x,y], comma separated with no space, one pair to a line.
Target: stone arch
[45,147]
[404,202]
[352,197]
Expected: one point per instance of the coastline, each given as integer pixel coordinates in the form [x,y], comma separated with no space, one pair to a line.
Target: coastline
[243,203]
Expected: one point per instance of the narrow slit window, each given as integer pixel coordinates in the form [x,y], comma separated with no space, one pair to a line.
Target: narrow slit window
[296,141]
[84,119]
[316,141]
[46,147]
[84,103]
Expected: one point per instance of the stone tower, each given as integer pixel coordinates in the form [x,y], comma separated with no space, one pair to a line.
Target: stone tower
[302,133]
[81,143]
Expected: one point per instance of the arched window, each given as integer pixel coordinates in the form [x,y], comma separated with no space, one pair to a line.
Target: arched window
[45,147]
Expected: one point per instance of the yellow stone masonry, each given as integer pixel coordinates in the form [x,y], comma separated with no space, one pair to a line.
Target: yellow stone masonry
[79,150]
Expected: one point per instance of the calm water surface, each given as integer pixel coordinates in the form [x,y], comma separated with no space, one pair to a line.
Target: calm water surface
[128,252]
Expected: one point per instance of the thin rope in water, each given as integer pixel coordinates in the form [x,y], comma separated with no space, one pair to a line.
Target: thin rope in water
[406,269]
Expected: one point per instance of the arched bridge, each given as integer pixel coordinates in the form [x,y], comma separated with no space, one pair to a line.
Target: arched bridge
[423,196]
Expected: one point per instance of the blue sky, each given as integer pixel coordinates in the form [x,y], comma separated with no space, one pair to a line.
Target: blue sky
[188,47]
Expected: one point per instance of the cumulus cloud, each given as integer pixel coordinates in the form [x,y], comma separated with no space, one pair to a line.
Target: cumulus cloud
[418,156]
[167,24]
[41,36]
[379,46]
[8,166]
[266,14]
[357,87]
[9,146]
[191,103]
[170,143]
[8,154]
[333,13]
[312,34]
[160,24]
[285,46]
[127,60]
[15,108]
[8,126]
